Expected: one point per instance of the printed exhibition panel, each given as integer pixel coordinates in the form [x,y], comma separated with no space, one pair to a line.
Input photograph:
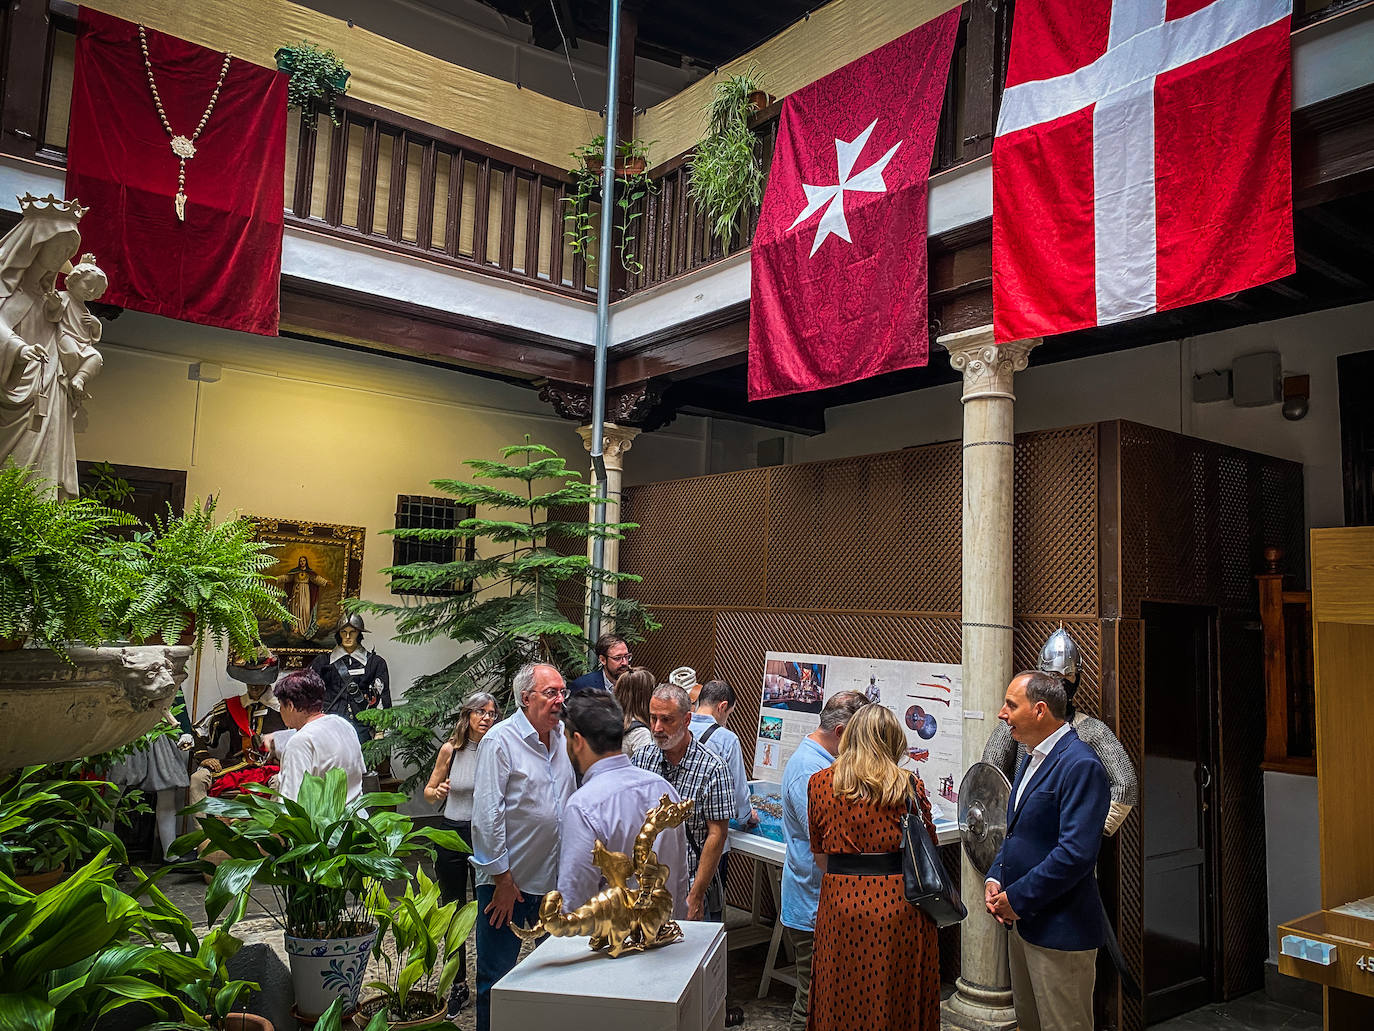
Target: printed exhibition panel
[926,698]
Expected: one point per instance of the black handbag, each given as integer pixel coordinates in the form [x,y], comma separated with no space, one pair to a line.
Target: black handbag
[925,882]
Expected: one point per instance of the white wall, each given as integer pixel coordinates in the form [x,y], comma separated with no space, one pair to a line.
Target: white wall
[1290,820]
[307,431]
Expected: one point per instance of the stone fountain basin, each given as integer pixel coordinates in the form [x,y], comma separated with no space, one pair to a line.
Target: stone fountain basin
[52,710]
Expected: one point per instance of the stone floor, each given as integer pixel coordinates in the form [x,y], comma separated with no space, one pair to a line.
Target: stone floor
[1253,1012]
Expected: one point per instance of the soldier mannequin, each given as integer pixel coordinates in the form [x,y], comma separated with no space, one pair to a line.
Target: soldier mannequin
[246,758]
[355,678]
[1060,655]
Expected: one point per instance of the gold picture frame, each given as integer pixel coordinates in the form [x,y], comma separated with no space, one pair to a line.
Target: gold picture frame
[318,566]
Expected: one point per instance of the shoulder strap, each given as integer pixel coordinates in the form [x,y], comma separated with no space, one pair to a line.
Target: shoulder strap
[707,736]
[638,725]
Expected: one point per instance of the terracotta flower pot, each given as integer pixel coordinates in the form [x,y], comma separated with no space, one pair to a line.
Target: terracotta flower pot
[11,644]
[759,99]
[247,1022]
[427,1002]
[41,882]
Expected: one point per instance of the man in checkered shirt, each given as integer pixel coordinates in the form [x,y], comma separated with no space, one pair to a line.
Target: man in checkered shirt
[701,776]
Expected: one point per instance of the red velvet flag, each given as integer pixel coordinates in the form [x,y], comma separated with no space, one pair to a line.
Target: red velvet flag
[839,257]
[222,265]
[1142,161]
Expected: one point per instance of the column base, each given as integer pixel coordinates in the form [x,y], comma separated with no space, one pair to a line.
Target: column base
[976,1008]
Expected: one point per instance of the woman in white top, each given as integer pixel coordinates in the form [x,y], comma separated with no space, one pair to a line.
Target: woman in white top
[633,689]
[455,772]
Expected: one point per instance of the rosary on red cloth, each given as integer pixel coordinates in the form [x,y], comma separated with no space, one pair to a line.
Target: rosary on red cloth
[183,147]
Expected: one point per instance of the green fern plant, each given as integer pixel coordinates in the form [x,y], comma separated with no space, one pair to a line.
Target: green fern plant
[57,563]
[725,175]
[190,568]
[511,615]
[317,77]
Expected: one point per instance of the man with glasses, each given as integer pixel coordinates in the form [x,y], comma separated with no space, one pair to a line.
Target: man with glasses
[611,804]
[524,777]
[612,659]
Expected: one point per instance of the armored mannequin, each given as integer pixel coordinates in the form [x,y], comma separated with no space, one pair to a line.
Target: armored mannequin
[355,678]
[1060,655]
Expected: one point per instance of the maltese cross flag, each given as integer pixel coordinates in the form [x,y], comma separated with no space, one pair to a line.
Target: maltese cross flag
[1142,160]
[839,257]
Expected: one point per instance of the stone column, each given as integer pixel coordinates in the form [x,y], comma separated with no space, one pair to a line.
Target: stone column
[615,441]
[982,1001]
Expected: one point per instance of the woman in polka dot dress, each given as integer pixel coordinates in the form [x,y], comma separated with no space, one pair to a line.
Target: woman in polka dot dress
[876,963]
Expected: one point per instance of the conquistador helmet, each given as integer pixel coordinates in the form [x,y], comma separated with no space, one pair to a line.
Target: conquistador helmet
[1060,655]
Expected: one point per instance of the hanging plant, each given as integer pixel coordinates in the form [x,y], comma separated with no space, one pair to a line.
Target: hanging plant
[725,175]
[632,185]
[317,77]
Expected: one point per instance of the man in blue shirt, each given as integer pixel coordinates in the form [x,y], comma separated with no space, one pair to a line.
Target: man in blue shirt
[714,703]
[801,879]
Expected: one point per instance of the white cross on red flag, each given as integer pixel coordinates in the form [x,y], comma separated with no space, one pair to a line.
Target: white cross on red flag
[1142,160]
[839,256]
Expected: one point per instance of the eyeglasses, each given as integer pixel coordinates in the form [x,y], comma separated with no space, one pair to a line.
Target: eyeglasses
[482,714]
[551,695]
[627,657]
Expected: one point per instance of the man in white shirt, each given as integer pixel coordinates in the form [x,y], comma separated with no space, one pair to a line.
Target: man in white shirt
[524,777]
[611,804]
[314,742]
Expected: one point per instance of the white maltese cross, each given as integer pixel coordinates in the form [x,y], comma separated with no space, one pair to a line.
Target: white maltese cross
[831,198]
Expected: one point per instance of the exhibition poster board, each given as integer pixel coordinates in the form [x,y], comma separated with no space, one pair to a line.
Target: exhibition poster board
[926,697]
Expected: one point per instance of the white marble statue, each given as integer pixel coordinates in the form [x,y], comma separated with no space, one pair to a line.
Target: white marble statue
[47,338]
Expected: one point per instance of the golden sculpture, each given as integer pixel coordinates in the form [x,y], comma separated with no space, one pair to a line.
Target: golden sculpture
[622,919]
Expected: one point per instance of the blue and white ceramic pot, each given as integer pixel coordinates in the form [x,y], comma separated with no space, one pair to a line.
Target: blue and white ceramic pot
[322,968]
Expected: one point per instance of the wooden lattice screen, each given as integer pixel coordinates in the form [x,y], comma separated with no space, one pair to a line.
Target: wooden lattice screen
[861,556]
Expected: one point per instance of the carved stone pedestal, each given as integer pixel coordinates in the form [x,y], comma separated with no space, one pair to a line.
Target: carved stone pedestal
[53,711]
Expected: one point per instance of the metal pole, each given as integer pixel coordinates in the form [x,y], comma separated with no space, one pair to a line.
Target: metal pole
[603,317]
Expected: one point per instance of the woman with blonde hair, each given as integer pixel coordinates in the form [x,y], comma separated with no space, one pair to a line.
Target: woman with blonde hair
[633,689]
[876,963]
[452,782]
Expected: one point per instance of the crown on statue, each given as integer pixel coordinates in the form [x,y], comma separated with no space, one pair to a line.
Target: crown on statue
[51,207]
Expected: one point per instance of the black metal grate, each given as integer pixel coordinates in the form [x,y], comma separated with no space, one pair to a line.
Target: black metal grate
[417,512]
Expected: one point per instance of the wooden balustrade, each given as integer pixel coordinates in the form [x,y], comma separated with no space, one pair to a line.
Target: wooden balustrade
[398,183]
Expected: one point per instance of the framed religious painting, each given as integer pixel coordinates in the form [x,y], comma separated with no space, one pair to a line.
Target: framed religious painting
[317,566]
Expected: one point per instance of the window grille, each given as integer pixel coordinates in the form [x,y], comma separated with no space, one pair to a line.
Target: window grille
[415,511]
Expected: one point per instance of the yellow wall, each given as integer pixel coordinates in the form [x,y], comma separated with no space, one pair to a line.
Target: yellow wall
[306,431]
[834,35]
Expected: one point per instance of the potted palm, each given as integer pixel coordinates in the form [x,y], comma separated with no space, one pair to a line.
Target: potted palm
[419,929]
[317,77]
[319,854]
[49,825]
[725,174]
[83,949]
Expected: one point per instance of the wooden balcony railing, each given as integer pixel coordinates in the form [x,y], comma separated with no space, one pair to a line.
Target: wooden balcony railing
[1290,744]
[394,182]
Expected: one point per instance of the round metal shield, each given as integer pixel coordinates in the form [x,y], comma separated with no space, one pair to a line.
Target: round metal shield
[983,797]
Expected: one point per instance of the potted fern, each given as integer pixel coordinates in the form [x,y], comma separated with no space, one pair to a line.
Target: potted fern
[725,175]
[194,575]
[317,77]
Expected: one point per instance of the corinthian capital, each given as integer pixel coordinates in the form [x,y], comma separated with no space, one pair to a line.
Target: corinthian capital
[987,366]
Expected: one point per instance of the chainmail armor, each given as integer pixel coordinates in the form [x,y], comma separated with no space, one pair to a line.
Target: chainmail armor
[1006,754]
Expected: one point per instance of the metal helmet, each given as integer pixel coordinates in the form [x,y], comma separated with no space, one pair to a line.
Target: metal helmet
[1060,655]
[354,620]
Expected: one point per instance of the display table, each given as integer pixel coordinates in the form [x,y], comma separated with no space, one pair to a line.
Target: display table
[1330,947]
[563,983]
[770,856]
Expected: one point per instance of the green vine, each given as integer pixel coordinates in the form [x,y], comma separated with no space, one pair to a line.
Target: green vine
[317,77]
[632,186]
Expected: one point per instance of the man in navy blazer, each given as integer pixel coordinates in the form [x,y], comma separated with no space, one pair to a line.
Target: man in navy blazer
[1041,884]
[612,659]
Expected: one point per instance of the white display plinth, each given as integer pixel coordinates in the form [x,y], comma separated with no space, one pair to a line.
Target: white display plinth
[565,985]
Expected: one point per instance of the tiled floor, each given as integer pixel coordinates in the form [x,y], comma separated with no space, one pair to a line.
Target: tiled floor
[1252,1013]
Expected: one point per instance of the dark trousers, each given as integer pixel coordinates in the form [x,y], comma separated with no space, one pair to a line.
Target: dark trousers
[497,948]
[454,873]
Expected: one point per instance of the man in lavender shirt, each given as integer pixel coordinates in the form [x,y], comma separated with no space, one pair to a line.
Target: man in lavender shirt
[611,803]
